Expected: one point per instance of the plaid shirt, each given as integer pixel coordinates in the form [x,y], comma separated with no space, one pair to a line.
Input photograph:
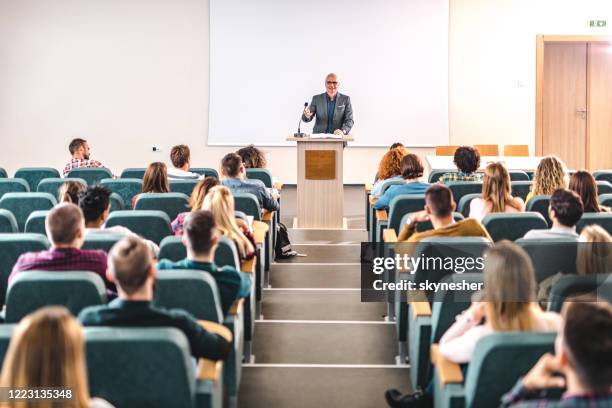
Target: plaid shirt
[460,176]
[80,163]
[63,259]
[520,397]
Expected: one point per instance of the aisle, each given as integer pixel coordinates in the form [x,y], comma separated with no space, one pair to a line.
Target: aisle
[318,345]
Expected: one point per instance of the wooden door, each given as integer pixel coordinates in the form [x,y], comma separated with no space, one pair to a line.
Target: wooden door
[600,107]
[565,102]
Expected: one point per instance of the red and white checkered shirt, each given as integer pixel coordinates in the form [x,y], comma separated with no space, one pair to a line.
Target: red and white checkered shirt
[80,163]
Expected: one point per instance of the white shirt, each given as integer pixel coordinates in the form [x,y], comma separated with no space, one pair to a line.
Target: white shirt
[568,233]
[123,231]
[178,174]
[479,208]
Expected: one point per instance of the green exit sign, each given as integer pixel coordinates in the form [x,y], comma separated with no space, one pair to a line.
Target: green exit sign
[597,23]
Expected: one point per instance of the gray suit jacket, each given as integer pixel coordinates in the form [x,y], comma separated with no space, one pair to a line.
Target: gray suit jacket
[343,114]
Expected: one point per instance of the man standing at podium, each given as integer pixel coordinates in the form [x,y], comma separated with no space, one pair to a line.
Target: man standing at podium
[333,110]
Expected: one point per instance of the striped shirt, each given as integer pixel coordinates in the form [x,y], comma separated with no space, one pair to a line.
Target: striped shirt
[79,164]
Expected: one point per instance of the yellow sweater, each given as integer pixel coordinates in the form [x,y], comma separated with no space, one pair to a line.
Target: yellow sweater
[465,228]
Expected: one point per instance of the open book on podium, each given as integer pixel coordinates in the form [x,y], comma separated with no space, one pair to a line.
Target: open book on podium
[320,188]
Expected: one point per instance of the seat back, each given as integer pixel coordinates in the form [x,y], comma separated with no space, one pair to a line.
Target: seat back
[461,188]
[516,150]
[464,204]
[487,149]
[512,226]
[205,171]
[518,175]
[52,185]
[171,203]
[173,249]
[499,360]
[140,367]
[260,174]
[101,240]
[435,174]
[521,188]
[8,223]
[11,247]
[91,175]
[23,204]
[153,225]
[404,204]
[540,204]
[550,256]
[446,150]
[183,186]
[248,204]
[36,222]
[33,175]
[604,187]
[127,188]
[116,202]
[227,254]
[598,285]
[3,173]
[605,175]
[605,199]
[13,185]
[133,173]
[191,290]
[603,219]
[32,290]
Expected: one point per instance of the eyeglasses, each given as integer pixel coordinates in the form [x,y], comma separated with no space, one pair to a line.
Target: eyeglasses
[331,82]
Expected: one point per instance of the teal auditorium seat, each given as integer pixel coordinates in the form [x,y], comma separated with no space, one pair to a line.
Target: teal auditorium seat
[3,173]
[605,199]
[550,256]
[205,171]
[499,360]
[146,368]
[133,172]
[35,289]
[12,185]
[170,203]
[540,204]
[33,175]
[520,188]
[52,185]
[173,249]
[103,241]
[260,174]
[8,223]
[461,188]
[372,228]
[183,186]
[398,207]
[604,187]
[248,204]
[435,174]
[36,222]
[11,247]
[153,225]
[605,175]
[116,202]
[464,204]
[603,219]
[22,204]
[597,285]
[91,175]
[512,226]
[127,188]
[518,175]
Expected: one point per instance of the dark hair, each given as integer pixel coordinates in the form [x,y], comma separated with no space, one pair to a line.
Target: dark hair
[69,191]
[587,334]
[467,159]
[584,184]
[75,144]
[155,179]
[252,157]
[411,166]
[179,155]
[230,164]
[199,228]
[94,201]
[567,206]
[62,223]
[439,199]
[396,144]
[129,261]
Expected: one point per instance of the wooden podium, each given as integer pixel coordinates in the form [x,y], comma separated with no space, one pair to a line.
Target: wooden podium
[320,189]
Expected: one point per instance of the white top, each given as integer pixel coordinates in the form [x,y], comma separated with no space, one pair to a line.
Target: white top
[178,174]
[568,233]
[100,403]
[121,230]
[479,208]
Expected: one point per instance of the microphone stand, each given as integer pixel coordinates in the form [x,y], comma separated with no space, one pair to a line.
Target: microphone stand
[299,132]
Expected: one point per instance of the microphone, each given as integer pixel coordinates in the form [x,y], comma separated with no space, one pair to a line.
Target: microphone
[299,132]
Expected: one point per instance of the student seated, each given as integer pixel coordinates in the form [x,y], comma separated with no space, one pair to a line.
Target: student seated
[582,363]
[584,184]
[155,180]
[389,168]
[549,176]
[180,156]
[439,207]
[412,170]
[496,196]
[195,202]
[130,265]
[252,157]
[234,178]
[69,192]
[564,211]
[47,350]
[79,150]
[65,228]
[201,238]
[467,160]
[95,204]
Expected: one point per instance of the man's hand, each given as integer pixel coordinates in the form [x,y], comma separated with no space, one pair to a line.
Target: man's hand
[419,216]
[308,113]
[338,132]
[543,375]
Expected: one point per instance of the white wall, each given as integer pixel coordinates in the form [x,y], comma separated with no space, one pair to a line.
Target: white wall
[128,74]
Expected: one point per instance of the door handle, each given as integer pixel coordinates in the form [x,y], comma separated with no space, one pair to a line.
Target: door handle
[582,112]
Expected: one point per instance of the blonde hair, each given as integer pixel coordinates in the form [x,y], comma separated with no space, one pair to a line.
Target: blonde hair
[199,192]
[47,350]
[509,288]
[390,164]
[69,192]
[550,175]
[594,251]
[220,202]
[496,186]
